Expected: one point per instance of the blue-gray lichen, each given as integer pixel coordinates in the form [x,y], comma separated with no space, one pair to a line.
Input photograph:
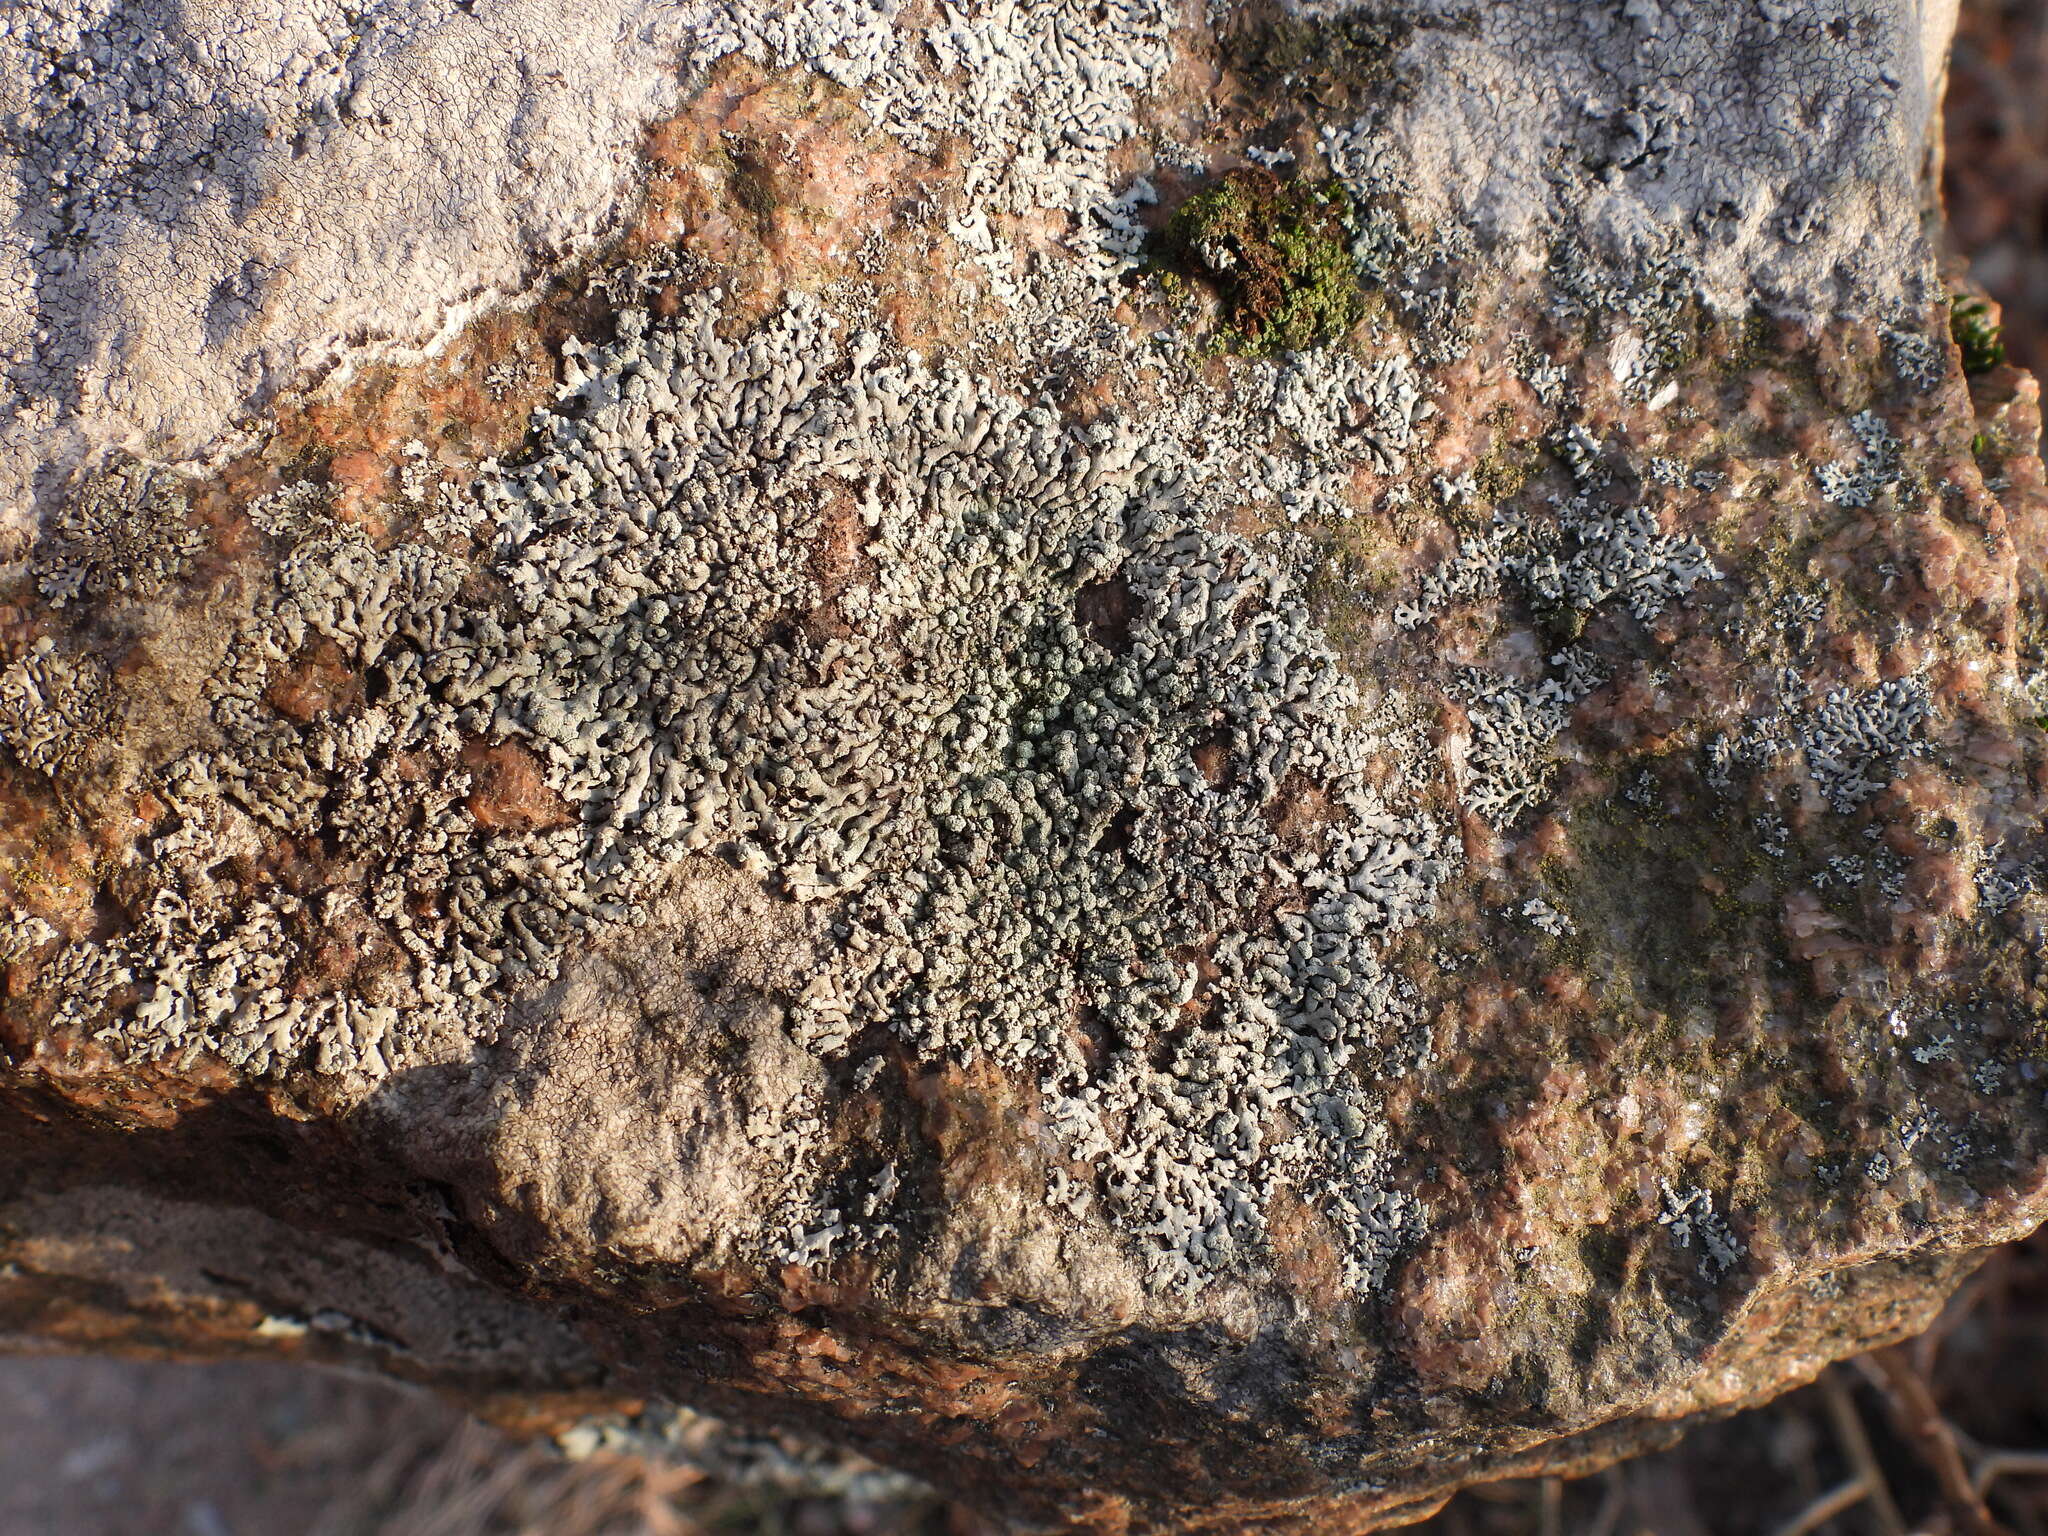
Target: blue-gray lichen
[52,703]
[1693,1221]
[203,205]
[190,226]
[125,534]
[1580,560]
[1854,483]
[949,842]
[982,684]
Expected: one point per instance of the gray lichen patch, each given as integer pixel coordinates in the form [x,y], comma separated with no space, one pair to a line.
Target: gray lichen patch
[1562,568]
[52,707]
[125,534]
[1015,825]
[1728,925]
[1067,782]
[1063,885]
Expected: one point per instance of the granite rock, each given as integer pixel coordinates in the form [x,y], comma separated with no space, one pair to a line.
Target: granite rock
[1195,768]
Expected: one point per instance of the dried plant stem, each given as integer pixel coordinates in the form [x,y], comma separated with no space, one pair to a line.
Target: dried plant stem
[1823,1509]
[1856,1446]
[1608,1518]
[1997,1464]
[1920,1420]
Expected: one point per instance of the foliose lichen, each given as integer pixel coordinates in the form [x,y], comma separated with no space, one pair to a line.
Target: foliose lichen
[980,683]
[124,534]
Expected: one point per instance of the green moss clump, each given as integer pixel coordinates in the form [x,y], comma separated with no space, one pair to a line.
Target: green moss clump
[1278,254]
[1975,331]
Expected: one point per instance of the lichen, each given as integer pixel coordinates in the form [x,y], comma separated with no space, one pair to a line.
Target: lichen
[1692,1219]
[1563,568]
[894,643]
[1851,742]
[1919,361]
[53,705]
[1093,722]
[1341,413]
[1856,482]
[124,534]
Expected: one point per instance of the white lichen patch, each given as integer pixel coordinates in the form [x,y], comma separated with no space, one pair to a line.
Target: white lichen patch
[1851,741]
[1542,916]
[52,704]
[22,934]
[2002,886]
[1341,413]
[1581,560]
[1853,483]
[1855,739]
[124,535]
[983,684]
[1046,87]
[292,512]
[1694,1222]
[1515,727]
[1920,361]
[1036,94]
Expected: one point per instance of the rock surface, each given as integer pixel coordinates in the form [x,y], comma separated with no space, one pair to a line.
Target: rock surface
[1195,768]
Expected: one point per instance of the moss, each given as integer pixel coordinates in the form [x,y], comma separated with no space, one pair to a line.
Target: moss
[1776,567]
[1976,333]
[1278,255]
[1561,623]
[1508,464]
[750,175]
[1739,345]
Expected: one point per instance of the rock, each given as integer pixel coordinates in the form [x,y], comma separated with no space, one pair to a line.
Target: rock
[1186,768]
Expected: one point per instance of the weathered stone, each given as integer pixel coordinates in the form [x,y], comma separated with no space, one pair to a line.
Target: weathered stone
[806,774]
